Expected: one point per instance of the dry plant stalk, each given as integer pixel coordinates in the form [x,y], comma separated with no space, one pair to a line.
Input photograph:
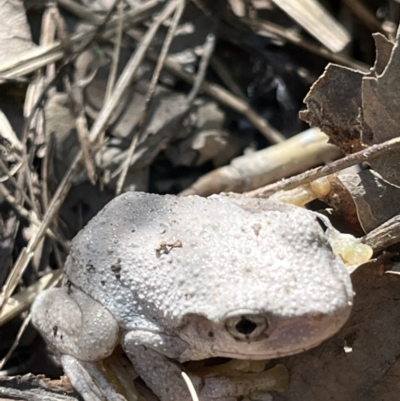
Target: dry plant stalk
[351,160]
[178,7]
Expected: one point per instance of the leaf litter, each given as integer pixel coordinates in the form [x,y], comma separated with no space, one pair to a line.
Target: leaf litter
[97,112]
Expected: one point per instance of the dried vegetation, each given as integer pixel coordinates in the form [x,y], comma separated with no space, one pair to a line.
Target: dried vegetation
[199,97]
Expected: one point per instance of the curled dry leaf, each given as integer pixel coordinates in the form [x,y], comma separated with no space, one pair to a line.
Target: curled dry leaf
[357,110]
[380,104]
[333,105]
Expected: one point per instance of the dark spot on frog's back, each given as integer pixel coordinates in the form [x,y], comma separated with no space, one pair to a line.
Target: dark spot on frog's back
[116,268]
[90,268]
[166,248]
[68,284]
[257,228]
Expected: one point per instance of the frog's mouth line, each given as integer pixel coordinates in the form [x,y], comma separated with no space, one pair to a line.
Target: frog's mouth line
[272,355]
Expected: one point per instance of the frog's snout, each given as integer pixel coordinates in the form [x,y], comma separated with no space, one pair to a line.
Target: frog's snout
[247,327]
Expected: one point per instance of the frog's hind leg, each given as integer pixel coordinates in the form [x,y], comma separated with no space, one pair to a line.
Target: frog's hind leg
[83,332]
[75,324]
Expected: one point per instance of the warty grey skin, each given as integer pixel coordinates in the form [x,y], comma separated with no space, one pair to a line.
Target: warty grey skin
[189,278]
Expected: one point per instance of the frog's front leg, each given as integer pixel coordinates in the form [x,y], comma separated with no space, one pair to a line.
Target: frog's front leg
[153,355]
[83,332]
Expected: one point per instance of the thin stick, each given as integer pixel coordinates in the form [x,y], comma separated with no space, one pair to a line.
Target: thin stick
[366,16]
[270,27]
[58,198]
[27,253]
[14,182]
[129,73]
[179,7]
[334,167]
[116,52]
[205,61]
[21,331]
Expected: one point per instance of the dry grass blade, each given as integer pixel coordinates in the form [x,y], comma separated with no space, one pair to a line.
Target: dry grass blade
[180,6]
[78,109]
[29,216]
[23,300]
[27,253]
[227,98]
[21,331]
[317,21]
[129,72]
[9,173]
[244,173]
[224,75]
[42,55]
[311,175]
[364,14]
[205,61]
[269,27]
[116,53]
[15,183]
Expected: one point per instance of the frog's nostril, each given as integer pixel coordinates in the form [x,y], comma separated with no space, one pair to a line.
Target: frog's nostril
[247,327]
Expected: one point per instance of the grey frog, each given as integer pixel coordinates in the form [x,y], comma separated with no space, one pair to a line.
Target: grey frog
[188,278]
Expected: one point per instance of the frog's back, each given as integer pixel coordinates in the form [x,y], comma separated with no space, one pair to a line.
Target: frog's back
[169,256]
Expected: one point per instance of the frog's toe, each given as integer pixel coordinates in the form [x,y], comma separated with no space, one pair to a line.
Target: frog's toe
[80,379]
[89,381]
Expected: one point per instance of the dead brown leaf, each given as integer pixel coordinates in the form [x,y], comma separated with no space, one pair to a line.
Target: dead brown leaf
[333,105]
[357,110]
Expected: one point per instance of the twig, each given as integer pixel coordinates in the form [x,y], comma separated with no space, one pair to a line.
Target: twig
[227,98]
[78,110]
[383,236]
[27,253]
[22,301]
[334,167]
[270,27]
[16,341]
[40,56]
[116,52]
[205,61]
[224,75]
[129,73]
[247,172]
[14,182]
[317,21]
[364,15]
[31,216]
[179,6]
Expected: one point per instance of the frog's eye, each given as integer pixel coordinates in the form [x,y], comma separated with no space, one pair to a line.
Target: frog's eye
[247,327]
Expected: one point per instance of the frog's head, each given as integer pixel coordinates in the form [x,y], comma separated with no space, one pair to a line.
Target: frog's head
[252,334]
[284,292]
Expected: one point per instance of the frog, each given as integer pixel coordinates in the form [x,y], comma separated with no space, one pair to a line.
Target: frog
[172,279]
